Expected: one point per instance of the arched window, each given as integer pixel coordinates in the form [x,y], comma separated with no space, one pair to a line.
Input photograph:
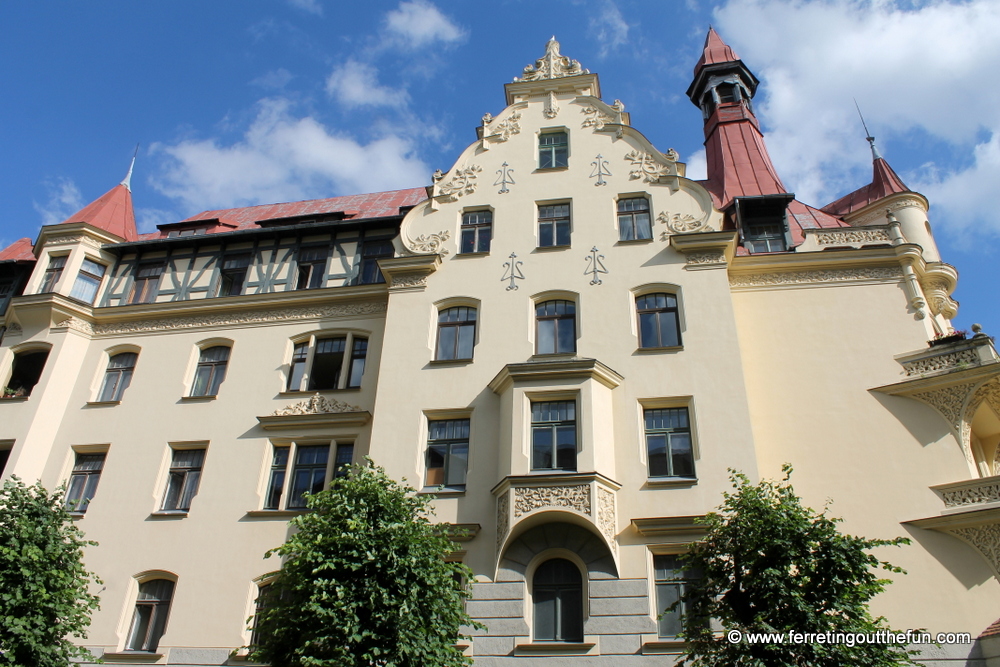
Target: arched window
[659,325]
[211,371]
[25,372]
[555,331]
[118,376]
[557,592]
[456,333]
[149,621]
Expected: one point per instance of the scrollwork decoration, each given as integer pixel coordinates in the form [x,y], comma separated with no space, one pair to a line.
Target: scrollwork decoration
[316,405]
[463,182]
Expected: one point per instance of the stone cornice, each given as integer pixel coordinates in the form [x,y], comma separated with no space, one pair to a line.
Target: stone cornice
[705,250]
[554,371]
[411,273]
[74,232]
[811,268]
[662,526]
[875,213]
[554,479]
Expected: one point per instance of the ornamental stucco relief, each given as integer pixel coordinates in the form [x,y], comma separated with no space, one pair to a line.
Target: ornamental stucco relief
[646,167]
[14,329]
[76,238]
[596,118]
[530,498]
[553,65]
[683,223]
[316,405]
[506,128]
[948,401]
[986,539]
[710,257]
[551,108]
[409,280]
[503,518]
[463,182]
[941,362]
[431,244]
[606,515]
[823,276]
[852,236]
[985,493]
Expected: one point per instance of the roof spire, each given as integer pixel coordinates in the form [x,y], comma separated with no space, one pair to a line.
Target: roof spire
[127,181]
[871,140]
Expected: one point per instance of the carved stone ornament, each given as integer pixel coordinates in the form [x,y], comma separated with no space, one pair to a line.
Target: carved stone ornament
[684,223]
[852,236]
[409,280]
[606,515]
[986,540]
[506,128]
[948,401]
[819,276]
[985,493]
[14,329]
[316,405]
[672,155]
[551,108]
[553,65]
[530,498]
[708,257]
[463,182]
[74,238]
[226,319]
[878,215]
[645,167]
[939,299]
[431,244]
[941,362]
[596,118]
[503,518]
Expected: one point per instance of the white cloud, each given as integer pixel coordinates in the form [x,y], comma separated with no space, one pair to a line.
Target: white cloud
[64,200]
[968,195]
[912,67]
[420,23]
[275,79]
[282,157]
[608,28]
[697,165]
[146,219]
[311,6]
[355,84]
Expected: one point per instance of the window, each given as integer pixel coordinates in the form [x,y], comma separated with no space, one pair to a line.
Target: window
[311,469]
[118,376]
[766,237]
[447,452]
[147,281]
[83,481]
[52,274]
[553,150]
[4,459]
[456,333]
[344,459]
[672,581]
[25,372]
[149,621]
[88,281]
[309,475]
[557,594]
[659,325]
[264,602]
[330,367]
[553,435]
[477,230]
[312,267]
[233,274]
[727,93]
[371,252]
[555,327]
[211,371]
[668,442]
[633,219]
[183,480]
[553,226]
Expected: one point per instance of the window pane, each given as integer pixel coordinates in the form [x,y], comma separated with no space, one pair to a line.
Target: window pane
[201,377]
[681,454]
[668,329]
[328,359]
[85,288]
[547,337]
[466,338]
[435,465]
[545,235]
[458,463]
[567,335]
[140,627]
[545,614]
[669,623]
[446,342]
[360,351]
[657,452]
[562,232]
[541,447]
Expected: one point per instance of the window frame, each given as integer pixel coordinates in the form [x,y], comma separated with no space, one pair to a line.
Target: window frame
[449,456]
[88,278]
[552,150]
[215,376]
[667,433]
[675,309]
[145,289]
[577,587]
[631,216]
[53,273]
[368,254]
[185,488]
[470,325]
[277,498]
[352,366]
[306,276]
[19,355]
[556,318]
[122,374]
[553,427]
[160,609]
[79,494]
[232,280]
[474,230]
[553,219]
[682,582]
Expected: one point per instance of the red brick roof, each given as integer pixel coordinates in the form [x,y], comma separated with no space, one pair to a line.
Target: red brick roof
[716,51]
[992,631]
[111,212]
[20,250]
[884,183]
[356,207]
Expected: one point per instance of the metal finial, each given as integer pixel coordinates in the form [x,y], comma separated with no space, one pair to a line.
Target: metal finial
[127,181]
[871,140]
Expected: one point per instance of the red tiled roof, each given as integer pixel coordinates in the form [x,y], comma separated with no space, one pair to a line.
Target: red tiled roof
[359,207]
[716,51]
[111,212]
[992,631]
[738,162]
[19,250]
[885,182]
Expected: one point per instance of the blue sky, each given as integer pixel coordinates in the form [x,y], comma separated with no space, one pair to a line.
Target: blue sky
[256,101]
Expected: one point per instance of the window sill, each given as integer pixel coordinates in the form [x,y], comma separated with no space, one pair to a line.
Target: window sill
[667,482]
[274,514]
[197,399]
[663,646]
[76,515]
[132,656]
[442,492]
[450,362]
[654,350]
[633,241]
[169,514]
[311,392]
[555,648]
[481,253]
[550,356]
[548,248]
[541,170]
[98,404]
[14,399]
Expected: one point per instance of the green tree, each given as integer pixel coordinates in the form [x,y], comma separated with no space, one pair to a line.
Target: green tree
[363,582]
[770,565]
[44,596]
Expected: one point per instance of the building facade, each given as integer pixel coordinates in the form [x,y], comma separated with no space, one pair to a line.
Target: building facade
[562,337]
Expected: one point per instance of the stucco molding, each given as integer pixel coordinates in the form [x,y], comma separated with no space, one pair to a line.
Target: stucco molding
[985,539]
[683,223]
[851,237]
[844,275]
[876,212]
[553,65]
[463,182]
[972,495]
[73,239]
[941,362]
[707,258]
[527,499]
[606,519]
[503,518]
[646,167]
[596,118]
[431,243]
[316,404]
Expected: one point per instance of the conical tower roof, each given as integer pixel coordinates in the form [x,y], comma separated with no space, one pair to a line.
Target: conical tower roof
[111,212]
[716,51]
[885,182]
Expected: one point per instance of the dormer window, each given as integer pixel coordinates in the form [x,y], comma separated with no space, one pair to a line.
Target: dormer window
[762,224]
[726,92]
